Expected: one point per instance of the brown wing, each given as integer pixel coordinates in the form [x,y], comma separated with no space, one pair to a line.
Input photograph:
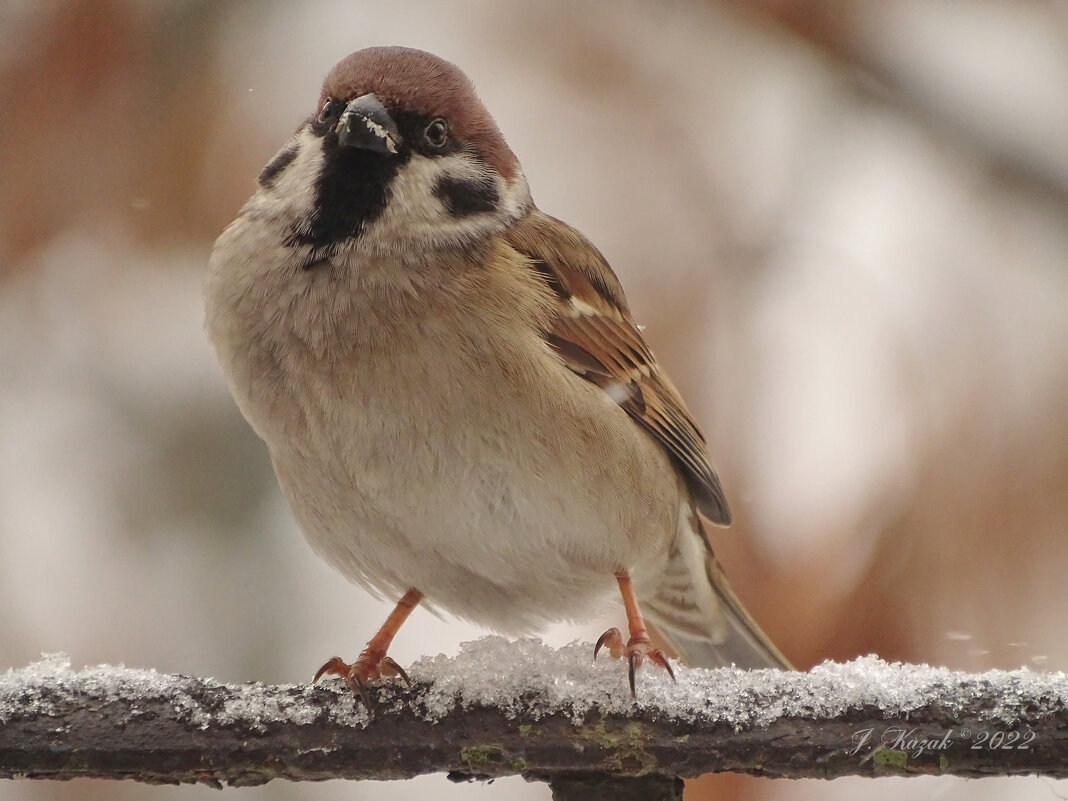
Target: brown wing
[596,337]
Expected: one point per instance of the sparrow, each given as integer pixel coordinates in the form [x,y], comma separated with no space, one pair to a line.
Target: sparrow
[457,402]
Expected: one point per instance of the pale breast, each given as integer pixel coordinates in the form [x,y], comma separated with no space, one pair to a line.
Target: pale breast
[472,485]
[475,467]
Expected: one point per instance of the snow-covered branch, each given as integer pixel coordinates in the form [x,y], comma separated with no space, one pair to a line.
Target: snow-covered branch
[503,708]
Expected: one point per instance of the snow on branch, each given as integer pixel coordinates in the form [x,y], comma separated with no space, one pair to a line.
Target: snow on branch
[504,708]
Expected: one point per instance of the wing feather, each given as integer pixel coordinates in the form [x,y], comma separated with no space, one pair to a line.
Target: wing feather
[596,337]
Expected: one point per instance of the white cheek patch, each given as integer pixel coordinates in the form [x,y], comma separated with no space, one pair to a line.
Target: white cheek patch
[300,178]
[416,216]
[411,201]
[292,191]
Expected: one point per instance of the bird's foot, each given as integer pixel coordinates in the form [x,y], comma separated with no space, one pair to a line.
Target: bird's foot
[368,667]
[636,651]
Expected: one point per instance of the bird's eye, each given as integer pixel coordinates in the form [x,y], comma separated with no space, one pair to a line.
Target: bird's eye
[327,110]
[436,133]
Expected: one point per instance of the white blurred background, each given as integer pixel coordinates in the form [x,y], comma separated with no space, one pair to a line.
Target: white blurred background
[843,222]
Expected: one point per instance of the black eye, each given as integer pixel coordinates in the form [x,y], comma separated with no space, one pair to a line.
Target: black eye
[327,110]
[436,133]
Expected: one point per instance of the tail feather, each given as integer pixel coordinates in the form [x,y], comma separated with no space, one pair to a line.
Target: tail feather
[697,612]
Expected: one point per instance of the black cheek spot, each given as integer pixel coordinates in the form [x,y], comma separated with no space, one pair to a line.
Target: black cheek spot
[277,165]
[466,196]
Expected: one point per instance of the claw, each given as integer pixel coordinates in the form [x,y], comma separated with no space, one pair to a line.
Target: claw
[359,687]
[613,639]
[658,658]
[636,651]
[372,662]
[361,673]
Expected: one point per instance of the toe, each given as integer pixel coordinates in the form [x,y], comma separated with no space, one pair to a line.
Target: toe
[335,666]
[656,656]
[637,651]
[388,668]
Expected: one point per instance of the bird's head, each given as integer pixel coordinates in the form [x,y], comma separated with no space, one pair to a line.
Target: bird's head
[399,154]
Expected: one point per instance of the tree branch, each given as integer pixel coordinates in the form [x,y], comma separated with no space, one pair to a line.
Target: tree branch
[501,709]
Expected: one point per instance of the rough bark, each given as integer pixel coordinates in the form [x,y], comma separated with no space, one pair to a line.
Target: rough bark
[194,730]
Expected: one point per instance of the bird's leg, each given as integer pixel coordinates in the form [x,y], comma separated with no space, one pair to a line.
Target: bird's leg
[639,646]
[372,663]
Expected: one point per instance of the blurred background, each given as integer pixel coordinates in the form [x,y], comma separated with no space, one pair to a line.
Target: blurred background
[844,224]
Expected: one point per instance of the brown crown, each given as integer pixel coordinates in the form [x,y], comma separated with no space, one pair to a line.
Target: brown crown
[404,78]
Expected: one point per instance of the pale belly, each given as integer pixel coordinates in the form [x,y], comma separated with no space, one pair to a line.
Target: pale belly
[498,508]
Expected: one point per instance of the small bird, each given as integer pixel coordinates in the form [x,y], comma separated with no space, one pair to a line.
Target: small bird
[458,404]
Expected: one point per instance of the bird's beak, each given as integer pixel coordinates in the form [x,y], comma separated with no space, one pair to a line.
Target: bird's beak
[366,124]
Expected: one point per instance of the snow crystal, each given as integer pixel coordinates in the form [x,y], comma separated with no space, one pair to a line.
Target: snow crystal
[525,678]
[44,687]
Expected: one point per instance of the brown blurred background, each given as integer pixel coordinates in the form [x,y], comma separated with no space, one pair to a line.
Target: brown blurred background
[845,225]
